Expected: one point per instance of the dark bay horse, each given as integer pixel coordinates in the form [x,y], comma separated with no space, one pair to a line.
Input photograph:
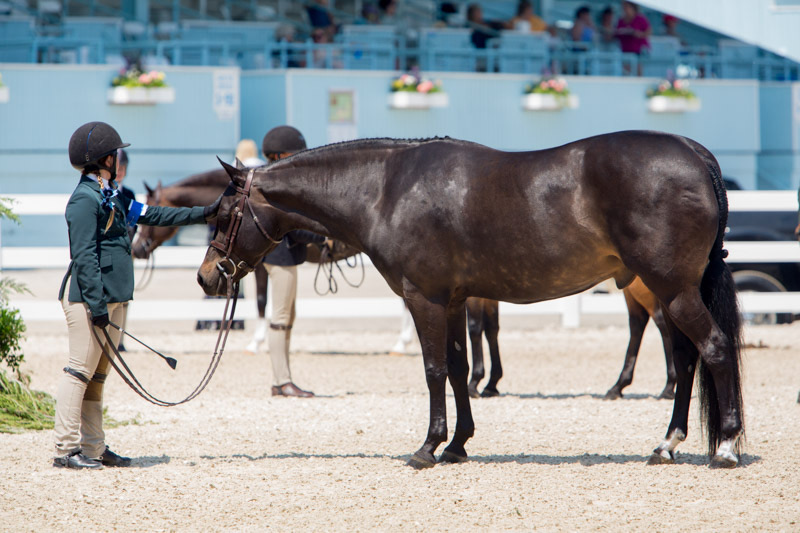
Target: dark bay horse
[482,314]
[443,220]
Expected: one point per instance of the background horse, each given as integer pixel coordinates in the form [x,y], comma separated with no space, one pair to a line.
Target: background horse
[443,220]
[482,314]
[483,318]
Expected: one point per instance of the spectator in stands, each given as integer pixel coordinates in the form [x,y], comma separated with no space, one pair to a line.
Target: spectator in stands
[388,13]
[633,30]
[526,20]
[671,28]
[320,17]
[449,16]
[583,29]
[481,31]
[607,28]
[321,55]
[370,14]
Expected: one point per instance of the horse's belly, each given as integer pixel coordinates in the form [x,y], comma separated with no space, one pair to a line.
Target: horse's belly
[529,285]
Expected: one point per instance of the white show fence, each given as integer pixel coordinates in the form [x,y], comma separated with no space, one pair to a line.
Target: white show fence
[570,308]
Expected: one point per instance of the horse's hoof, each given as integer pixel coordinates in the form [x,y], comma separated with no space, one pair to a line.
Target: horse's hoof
[661,457]
[490,393]
[418,462]
[451,457]
[473,392]
[723,461]
[667,395]
[613,394]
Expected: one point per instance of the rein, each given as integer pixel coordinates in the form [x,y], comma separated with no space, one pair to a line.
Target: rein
[228,268]
[326,264]
[147,274]
[130,379]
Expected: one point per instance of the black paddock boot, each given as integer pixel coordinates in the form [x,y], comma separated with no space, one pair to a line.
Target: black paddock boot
[110,458]
[77,460]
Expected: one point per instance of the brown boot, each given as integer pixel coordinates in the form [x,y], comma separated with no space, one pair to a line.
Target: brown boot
[290,389]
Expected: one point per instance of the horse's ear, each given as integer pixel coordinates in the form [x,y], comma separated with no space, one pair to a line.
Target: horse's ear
[148,189]
[234,173]
[239,164]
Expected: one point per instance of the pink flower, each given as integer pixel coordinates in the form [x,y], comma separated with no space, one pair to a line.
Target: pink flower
[145,79]
[677,84]
[425,86]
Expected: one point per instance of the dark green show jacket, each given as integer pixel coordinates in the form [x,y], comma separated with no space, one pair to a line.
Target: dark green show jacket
[102,267]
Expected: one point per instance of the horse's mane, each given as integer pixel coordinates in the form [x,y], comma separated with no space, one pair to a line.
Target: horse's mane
[358,144]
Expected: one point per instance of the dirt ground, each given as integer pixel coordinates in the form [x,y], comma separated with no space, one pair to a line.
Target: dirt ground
[549,454]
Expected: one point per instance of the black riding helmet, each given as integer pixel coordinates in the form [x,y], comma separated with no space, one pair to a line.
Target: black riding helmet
[92,142]
[283,139]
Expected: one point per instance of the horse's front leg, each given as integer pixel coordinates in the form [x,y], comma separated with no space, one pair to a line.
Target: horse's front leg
[457,370]
[430,320]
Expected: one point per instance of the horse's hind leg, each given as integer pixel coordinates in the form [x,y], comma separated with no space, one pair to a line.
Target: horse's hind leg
[637,322]
[491,321]
[457,370]
[430,320]
[475,326]
[719,384]
[669,388]
[685,359]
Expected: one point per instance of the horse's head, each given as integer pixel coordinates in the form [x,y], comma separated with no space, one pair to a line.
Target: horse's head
[247,228]
[148,238]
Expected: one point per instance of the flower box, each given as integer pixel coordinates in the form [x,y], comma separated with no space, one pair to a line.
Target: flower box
[548,102]
[414,100]
[4,94]
[672,104]
[141,95]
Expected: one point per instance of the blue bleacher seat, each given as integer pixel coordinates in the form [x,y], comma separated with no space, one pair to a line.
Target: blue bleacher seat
[663,56]
[17,36]
[737,59]
[522,52]
[446,49]
[108,29]
[246,41]
[369,47]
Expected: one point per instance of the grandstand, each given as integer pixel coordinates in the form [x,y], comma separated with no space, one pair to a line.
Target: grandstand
[277,34]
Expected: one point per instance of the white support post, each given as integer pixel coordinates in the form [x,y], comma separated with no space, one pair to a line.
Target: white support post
[571,312]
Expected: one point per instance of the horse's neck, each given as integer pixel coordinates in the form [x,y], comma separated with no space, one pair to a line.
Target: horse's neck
[322,198]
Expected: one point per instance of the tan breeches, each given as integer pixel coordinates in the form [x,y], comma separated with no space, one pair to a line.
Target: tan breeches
[79,400]
[283,280]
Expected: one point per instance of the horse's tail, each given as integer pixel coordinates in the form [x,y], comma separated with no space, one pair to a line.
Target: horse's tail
[719,295]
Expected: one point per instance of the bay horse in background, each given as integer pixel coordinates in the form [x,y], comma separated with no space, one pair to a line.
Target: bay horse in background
[482,314]
[483,319]
[203,189]
[428,213]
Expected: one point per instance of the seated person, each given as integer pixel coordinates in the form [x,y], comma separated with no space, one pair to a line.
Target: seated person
[526,19]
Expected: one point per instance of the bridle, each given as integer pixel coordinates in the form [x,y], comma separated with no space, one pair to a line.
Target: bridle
[227,266]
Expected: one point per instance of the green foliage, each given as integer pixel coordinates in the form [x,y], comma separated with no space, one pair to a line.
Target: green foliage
[12,329]
[22,408]
[5,210]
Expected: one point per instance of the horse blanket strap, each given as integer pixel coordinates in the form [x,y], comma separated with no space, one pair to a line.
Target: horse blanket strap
[280,327]
[99,378]
[76,374]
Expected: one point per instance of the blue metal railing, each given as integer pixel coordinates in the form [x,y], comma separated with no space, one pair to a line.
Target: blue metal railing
[571,58]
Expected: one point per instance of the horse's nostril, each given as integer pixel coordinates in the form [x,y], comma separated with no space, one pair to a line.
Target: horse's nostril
[200,279]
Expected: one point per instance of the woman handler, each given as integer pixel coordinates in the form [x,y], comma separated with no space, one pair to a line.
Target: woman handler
[102,282]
